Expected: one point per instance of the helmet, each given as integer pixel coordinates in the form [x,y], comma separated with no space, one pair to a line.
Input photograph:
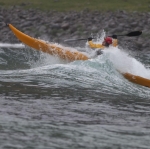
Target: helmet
[108,40]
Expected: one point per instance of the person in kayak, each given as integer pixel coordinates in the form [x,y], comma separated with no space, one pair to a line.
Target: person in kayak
[105,44]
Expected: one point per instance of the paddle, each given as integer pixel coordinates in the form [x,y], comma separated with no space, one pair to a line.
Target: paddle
[130,34]
[68,40]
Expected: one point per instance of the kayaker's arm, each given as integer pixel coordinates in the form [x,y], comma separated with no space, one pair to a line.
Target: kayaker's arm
[115,42]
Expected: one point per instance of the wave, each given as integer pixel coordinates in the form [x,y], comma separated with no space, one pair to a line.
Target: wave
[99,74]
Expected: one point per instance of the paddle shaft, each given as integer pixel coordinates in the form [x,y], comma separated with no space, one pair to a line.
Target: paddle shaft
[130,34]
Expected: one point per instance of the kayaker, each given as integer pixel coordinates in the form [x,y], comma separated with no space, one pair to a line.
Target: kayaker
[106,43]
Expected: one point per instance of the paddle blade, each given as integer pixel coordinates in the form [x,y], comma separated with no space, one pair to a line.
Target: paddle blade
[134,33]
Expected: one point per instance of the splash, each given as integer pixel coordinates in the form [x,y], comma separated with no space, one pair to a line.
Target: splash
[123,62]
[9,45]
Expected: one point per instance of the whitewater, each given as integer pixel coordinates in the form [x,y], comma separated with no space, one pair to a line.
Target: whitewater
[47,102]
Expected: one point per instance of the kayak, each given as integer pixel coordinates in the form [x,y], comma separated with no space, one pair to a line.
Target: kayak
[53,49]
[67,54]
[137,79]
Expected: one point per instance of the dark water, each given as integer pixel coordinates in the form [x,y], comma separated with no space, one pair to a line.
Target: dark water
[49,104]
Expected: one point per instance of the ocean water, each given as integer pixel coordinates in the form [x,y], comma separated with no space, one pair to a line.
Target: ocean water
[47,103]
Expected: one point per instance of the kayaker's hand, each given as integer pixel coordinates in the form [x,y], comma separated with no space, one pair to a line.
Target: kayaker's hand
[90,39]
[114,36]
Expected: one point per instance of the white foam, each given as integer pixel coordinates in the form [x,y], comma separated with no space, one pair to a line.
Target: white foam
[9,45]
[125,63]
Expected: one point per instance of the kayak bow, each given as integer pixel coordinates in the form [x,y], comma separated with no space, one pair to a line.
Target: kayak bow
[46,47]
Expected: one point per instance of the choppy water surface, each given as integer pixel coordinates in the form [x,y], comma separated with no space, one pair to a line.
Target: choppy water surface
[46,103]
